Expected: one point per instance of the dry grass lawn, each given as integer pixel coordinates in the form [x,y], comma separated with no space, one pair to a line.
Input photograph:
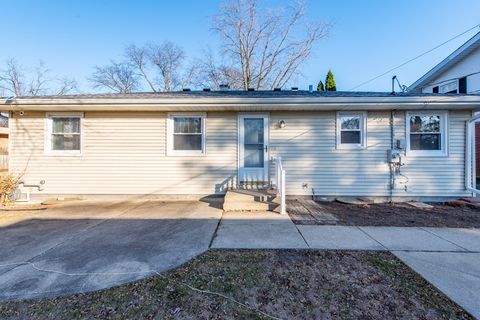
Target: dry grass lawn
[287,284]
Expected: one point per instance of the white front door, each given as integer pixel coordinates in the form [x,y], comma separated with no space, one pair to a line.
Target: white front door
[253,147]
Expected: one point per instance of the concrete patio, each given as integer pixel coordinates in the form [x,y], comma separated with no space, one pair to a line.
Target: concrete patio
[87,245]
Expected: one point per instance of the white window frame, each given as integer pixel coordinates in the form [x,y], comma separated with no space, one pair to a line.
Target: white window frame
[49,130]
[363,129]
[447,84]
[443,152]
[170,127]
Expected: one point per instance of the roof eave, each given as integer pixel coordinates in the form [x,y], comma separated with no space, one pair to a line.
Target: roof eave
[444,64]
[242,104]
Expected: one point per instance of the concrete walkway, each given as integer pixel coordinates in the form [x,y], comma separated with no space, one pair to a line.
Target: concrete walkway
[449,258]
[267,230]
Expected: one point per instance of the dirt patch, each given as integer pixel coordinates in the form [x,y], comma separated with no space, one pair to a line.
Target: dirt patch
[301,284]
[399,215]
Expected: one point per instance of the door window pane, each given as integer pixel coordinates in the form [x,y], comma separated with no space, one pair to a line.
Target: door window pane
[253,131]
[253,156]
[253,142]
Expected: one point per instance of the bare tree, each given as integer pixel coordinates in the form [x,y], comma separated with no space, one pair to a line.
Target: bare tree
[139,58]
[18,81]
[268,47]
[156,67]
[119,77]
[212,74]
[168,59]
[66,86]
[12,79]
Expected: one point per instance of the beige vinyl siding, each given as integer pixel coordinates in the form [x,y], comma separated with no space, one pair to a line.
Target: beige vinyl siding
[307,146]
[125,153]
[436,176]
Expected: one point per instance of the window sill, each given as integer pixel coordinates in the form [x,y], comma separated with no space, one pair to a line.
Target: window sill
[185,154]
[63,154]
[426,154]
[350,147]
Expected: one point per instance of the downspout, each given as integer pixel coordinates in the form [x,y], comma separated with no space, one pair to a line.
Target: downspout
[470,155]
[392,144]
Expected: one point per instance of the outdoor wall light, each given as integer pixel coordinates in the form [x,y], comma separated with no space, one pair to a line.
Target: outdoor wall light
[282,124]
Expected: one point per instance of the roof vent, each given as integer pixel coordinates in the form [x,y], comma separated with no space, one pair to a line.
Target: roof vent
[294,88]
[206,89]
[224,86]
[251,89]
[186,89]
[277,89]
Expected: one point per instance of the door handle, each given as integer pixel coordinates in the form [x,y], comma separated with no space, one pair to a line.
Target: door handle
[266,148]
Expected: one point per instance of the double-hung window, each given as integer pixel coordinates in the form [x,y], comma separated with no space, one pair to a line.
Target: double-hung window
[351,130]
[63,134]
[186,134]
[427,133]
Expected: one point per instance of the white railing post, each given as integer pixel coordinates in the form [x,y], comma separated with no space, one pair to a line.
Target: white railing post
[280,184]
[283,209]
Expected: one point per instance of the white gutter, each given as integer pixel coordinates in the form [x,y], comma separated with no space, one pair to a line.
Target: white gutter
[470,183]
[246,104]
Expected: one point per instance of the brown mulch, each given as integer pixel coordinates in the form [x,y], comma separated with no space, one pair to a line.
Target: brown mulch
[287,284]
[400,215]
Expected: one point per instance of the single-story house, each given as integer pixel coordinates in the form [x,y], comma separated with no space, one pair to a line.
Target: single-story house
[404,145]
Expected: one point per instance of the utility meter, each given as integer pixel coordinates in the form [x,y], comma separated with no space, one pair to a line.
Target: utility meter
[394,157]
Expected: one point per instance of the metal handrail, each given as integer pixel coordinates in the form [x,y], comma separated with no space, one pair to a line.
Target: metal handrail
[280,183]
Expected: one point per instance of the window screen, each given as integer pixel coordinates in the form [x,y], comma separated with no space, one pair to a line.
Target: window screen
[187,133]
[66,134]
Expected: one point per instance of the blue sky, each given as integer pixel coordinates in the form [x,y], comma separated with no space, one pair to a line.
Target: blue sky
[367,38]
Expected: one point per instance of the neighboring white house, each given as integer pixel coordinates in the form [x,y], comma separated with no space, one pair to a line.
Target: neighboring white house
[458,73]
[331,143]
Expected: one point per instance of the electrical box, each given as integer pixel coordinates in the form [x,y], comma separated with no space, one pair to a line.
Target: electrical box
[401,144]
[393,155]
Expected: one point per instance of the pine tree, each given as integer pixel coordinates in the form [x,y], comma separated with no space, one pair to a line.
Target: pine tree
[330,82]
[320,86]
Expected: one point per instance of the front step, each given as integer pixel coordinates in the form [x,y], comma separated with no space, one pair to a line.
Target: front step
[249,200]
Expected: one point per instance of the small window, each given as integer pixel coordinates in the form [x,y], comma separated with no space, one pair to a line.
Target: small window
[427,133]
[63,134]
[351,130]
[449,87]
[186,134]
